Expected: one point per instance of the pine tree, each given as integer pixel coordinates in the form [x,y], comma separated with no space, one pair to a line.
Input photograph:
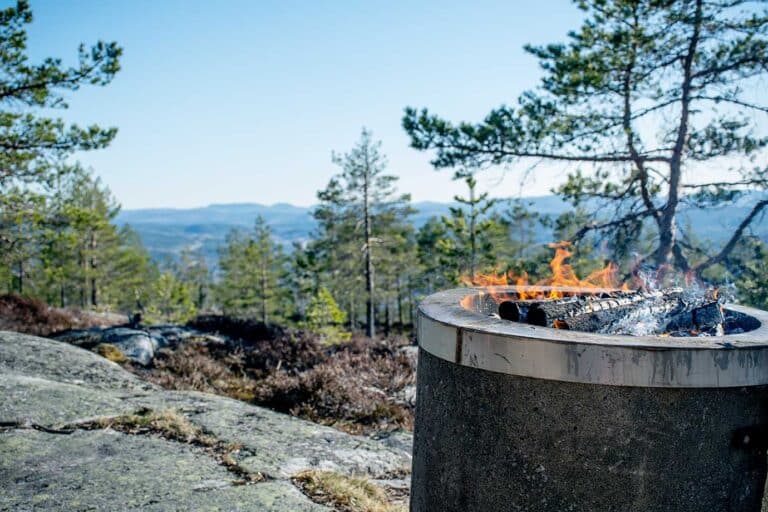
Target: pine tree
[356,215]
[325,318]
[29,141]
[642,92]
[436,271]
[171,300]
[471,229]
[73,254]
[253,270]
[192,270]
[525,227]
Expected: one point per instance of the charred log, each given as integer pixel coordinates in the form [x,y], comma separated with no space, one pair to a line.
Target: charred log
[605,311]
[517,311]
[706,318]
[511,311]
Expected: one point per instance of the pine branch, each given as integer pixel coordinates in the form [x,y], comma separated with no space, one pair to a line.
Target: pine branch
[728,248]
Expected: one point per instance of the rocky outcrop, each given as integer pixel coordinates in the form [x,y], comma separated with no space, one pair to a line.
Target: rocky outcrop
[50,391]
[138,345]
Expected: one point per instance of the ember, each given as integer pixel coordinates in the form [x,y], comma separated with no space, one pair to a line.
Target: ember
[599,303]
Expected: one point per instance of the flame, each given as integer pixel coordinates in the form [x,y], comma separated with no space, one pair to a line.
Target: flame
[563,276]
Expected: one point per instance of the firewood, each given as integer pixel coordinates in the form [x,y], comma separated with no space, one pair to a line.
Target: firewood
[695,316]
[517,310]
[605,310]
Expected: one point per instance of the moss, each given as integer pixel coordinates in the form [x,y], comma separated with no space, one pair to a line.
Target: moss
[111,352]
[345,493]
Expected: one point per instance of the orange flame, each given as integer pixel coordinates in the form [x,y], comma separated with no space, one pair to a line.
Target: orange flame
[563,276]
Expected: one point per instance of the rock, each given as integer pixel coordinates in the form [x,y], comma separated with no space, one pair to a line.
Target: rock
[138,345]
[56,362]
[46,384]
[108,470]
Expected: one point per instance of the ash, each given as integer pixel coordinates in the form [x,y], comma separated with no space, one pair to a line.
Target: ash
[698,312]
[679,312]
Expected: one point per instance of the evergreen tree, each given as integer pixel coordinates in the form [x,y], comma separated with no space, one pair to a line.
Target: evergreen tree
[469,246]
[253,270]
[436,271]
[21,219]
[525,227]
[192,270]
[29,141]
[171,300]
[130,274]
[325,318]
[356,215]
[64,247]
[643,91]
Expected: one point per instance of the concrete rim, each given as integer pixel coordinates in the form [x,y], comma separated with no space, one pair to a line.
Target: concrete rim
[454,333]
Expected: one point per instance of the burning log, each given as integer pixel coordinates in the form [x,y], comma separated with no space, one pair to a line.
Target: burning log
[678,313]
[517,310]
[512,311]
[592,313]
[706,318]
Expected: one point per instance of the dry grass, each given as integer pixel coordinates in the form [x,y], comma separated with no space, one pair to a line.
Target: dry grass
[111,352]
[166,423]
[344,493]
[169,424]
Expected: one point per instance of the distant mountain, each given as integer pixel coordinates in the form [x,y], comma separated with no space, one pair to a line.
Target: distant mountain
[166,231]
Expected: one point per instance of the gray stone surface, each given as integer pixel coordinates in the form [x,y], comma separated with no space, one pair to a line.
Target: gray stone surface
[39,357]
[49,383]
[107,470]
[488,441]
[138,345]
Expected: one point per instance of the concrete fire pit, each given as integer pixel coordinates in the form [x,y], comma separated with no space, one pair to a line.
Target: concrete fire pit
[517,417]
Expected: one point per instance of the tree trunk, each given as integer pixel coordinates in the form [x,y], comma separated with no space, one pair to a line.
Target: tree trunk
[399,303]
[83,282]
[666,222]
[472,229]
[387,319]
[410,301]
[264,317]
[93,265]
[21,277]
[370,328]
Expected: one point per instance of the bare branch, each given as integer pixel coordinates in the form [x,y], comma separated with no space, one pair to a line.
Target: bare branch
[718,99]
[618,222]
[726,250]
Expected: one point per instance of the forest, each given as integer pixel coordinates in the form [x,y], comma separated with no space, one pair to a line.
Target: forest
[366,266]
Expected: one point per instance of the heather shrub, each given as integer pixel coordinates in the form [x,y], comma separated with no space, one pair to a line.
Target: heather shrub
[193,366]
[33,316]
[355,389]
[356,385]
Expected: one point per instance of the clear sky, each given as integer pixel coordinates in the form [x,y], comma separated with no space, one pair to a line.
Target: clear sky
[243,101]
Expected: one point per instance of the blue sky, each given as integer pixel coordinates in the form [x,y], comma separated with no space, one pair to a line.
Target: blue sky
[243,101]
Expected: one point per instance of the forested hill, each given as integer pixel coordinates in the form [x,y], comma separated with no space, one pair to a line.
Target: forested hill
[166,231]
